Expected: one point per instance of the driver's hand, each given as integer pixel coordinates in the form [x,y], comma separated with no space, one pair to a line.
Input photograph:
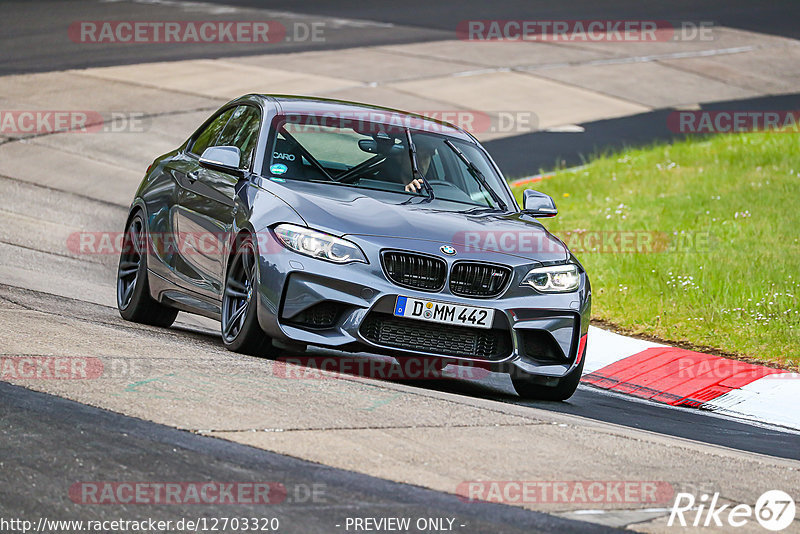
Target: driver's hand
[415,186]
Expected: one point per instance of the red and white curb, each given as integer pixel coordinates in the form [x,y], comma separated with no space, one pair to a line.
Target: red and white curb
[682,377]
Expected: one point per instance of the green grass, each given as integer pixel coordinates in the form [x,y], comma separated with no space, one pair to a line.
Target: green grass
[741,193]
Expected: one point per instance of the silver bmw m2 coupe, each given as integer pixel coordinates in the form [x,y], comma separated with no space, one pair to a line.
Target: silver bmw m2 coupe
[302,221]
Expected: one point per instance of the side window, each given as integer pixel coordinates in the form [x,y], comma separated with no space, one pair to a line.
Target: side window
[208,136]
[242,132]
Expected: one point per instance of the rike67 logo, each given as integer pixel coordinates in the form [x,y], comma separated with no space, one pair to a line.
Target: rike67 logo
[774,511]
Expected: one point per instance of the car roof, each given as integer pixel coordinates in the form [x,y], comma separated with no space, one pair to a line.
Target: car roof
[315,105]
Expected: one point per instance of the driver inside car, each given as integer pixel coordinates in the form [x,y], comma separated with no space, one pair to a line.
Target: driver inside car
[397,167]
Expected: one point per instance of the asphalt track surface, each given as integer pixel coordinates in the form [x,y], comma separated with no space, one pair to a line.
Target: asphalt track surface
[75,442]
[72,438]
[34,30]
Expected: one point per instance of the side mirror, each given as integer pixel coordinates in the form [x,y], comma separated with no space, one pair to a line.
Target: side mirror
[222,158]
[538,204]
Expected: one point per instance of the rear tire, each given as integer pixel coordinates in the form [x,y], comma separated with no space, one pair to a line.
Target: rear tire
[133,290]
[528,389]
[240,329]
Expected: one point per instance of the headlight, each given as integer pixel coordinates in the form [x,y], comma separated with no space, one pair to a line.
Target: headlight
[318,245]
[554,279]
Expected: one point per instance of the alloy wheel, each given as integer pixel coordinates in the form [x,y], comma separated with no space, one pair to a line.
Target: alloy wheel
[239,287]
[130,262]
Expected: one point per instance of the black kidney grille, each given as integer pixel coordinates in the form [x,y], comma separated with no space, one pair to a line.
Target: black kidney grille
[415,270]
[446,340]
[478,279]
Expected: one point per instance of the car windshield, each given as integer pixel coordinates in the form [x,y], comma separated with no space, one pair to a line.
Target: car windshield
[375,156]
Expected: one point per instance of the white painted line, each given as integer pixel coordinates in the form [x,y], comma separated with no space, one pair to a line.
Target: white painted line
[566,128]
[642,59]
[478,72]
[200,7]
[674,55]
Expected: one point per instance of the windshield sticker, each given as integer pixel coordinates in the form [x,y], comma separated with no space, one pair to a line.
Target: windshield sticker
[278,168]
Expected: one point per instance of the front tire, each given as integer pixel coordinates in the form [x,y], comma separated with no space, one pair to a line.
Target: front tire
[528,389]
[133,290]
[240,329]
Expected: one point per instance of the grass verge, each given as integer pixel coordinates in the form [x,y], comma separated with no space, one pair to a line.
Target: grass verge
[696,242]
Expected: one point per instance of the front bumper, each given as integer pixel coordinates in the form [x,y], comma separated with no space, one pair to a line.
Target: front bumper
[533,333]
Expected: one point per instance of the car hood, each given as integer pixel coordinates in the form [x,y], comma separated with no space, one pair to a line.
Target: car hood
[343,211]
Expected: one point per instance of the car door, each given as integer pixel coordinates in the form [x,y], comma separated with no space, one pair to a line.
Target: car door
[184,168]
[206,204]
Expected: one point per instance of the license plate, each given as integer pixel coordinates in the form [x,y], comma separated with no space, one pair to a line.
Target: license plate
[443,312]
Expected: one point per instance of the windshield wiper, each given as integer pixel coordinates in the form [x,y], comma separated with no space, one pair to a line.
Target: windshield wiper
[485,209]
[415,172]
[477,174]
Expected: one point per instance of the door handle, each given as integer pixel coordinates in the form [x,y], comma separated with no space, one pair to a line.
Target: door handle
[193,176]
